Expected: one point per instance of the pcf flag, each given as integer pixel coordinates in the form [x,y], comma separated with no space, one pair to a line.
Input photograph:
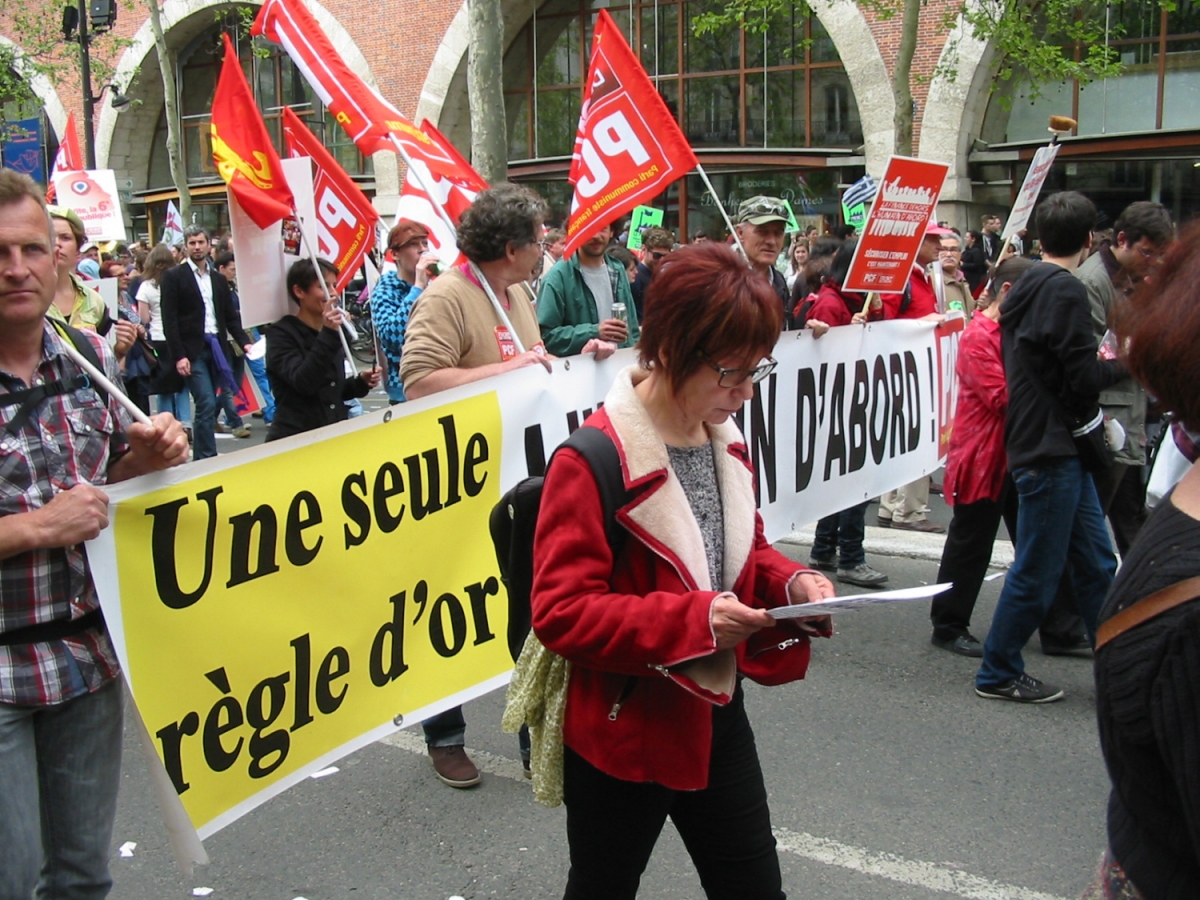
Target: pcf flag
[345,217]
[242,148]
[370,120]
[628,147]
[69,157]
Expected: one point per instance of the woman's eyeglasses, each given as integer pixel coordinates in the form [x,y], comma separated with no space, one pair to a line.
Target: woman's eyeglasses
[731,378]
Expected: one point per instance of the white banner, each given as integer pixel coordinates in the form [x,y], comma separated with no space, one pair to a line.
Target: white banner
[277,608]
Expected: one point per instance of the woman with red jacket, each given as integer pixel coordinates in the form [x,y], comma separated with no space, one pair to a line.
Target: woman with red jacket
[977,484]
[658,637]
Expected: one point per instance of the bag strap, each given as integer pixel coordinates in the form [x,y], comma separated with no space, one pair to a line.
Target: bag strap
[1147,608]
[601,454]
[86,350]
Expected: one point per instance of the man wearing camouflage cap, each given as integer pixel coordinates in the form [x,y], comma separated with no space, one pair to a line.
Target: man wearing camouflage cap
[760,224]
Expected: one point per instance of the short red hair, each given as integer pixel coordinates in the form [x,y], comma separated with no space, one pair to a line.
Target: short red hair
[1162,322]
[705,301]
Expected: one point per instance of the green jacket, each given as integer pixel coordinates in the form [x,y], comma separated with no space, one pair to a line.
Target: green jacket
[567,310]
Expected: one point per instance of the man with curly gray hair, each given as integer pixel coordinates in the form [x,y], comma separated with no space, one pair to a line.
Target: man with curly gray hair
[457,336]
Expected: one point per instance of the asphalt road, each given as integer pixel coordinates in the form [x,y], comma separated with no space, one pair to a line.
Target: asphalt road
[888,777]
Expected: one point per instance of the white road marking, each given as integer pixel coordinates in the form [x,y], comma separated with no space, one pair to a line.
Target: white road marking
[857,859]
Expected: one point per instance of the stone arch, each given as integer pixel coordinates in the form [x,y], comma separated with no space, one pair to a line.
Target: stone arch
[121,139]
[955,109]
[42,88]
[444,97]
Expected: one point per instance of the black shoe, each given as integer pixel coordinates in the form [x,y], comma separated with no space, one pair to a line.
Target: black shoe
[963,645]
[1080,646]
[1022,689]
[825,565]
[862,575]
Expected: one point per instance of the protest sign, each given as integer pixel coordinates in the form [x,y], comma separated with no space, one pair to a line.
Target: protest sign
[792,225]
[895,227]
[278,608]
[69,157]
[93,196]
[1031,187]
[643,217]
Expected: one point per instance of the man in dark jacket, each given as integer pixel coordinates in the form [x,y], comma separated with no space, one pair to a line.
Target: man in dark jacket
[197,311]
[1054,380]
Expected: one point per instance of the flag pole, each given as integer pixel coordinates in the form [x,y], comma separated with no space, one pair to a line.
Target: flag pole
[312,255]
[721,207]
[483,282]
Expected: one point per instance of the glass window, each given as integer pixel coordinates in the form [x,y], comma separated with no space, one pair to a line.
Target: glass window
[557,122]
[712,115]
[714,52]
[784,85]
[1181,91]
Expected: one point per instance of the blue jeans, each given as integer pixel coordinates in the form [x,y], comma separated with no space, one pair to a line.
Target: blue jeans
[227,400]
[179,405]
[60,767]
[1060,527]
[258,368]
[841,535]
[447,729]
[204,396]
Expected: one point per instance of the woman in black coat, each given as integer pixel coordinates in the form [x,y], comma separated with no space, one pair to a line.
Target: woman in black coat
[305,361]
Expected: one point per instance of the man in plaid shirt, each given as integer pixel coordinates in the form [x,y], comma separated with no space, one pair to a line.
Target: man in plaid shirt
[60,697]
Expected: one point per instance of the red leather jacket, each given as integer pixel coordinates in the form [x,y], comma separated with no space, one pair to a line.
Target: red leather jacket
[976,461]
[645,669]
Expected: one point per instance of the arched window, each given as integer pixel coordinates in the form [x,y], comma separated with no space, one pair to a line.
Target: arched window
[276,83]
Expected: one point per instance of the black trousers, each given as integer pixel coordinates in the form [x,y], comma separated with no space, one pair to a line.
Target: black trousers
[612,825]
[965,558]
[1123,499]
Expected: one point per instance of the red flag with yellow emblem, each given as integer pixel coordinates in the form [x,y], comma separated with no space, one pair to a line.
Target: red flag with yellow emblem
[242,148]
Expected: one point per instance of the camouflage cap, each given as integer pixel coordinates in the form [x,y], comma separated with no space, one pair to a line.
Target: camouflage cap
[63,212]
[760,210]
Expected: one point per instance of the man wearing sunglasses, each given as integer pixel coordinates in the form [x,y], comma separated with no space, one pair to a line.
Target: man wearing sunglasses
[760,224]
[656,244]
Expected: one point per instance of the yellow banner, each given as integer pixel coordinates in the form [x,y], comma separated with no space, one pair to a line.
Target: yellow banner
[271,611]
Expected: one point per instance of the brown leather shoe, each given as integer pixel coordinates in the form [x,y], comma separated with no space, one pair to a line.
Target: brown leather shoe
[454,767]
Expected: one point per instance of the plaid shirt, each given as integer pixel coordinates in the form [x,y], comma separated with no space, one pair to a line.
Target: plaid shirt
[69,440]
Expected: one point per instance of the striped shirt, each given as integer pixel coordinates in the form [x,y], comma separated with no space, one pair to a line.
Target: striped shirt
[70,439]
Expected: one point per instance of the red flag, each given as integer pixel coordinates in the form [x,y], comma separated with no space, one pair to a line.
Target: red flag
[359,109]
[621,159]
[242,148]
[345,217]
[454,194]
[69,157]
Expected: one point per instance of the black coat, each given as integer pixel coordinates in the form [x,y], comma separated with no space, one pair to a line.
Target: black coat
[308,378]
[182,310]
[1050,364]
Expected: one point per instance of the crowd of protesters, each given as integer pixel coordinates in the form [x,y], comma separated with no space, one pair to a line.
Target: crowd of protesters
[1043,378]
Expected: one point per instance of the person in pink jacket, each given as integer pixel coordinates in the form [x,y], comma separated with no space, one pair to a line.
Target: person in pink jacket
[659,637]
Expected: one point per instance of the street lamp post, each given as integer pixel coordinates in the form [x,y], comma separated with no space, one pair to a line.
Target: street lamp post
[85,75]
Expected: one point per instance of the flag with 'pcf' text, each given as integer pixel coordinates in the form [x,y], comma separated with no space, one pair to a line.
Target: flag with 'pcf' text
[628,148]
[345,217]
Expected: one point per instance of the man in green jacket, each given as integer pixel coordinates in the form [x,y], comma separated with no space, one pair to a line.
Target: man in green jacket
[575,302]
